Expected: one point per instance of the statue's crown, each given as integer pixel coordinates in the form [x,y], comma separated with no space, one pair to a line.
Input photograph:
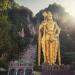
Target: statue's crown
[47,14]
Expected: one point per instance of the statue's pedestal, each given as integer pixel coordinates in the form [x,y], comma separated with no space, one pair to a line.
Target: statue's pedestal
[56,70]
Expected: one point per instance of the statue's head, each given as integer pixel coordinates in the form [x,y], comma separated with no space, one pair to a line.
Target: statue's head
[47,15]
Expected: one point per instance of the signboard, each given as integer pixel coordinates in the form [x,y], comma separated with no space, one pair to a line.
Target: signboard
[20,70]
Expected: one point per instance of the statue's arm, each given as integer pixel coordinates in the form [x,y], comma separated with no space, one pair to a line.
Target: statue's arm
[57,34]
[57,29]
[41,26]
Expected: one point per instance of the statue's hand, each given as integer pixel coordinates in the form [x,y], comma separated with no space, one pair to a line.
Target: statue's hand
[57,35]
[59,30]
[53,39]
[40,27]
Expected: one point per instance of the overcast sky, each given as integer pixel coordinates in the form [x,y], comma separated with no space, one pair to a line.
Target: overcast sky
[36,5]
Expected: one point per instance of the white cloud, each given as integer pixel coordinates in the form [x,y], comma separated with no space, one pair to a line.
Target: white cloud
[36,5]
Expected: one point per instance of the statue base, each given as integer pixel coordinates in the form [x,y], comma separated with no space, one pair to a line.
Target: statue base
[57,70]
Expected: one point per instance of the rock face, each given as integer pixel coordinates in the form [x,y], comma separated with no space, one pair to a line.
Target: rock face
[28,55]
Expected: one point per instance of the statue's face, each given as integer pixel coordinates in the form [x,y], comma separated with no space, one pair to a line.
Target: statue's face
[49,16]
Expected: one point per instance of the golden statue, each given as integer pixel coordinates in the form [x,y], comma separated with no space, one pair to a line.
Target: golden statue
[48,40]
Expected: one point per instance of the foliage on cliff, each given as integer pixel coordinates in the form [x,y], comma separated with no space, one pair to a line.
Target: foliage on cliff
[13,18]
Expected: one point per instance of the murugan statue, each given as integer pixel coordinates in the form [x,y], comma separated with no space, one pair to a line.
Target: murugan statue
[48,40]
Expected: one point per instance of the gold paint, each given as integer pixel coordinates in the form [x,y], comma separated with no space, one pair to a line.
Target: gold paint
[48,40]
